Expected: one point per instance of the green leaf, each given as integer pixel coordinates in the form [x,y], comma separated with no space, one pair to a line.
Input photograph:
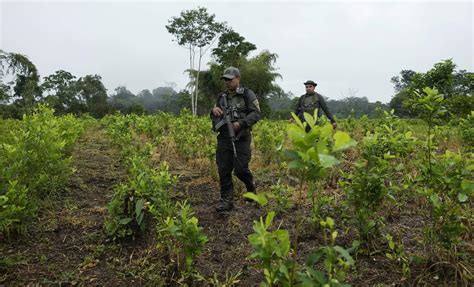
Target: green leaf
[400,167]
[260,198]
[343,252]
[314,257]
[269,219]
[3,199]
[391,244]
[434,199]
[291,154]
[322,147]
[139,207]
[462,197]
[309,120]
[297,120]
[295,164]
[342,141]
[327,161]
[313,154]
[330,222]
[467,186]
[326,131]
[125,221]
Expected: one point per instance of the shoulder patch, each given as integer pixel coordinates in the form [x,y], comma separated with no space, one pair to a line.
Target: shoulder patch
[255,103]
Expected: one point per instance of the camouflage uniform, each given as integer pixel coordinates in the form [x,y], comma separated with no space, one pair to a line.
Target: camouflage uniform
[246,103]
[307,103]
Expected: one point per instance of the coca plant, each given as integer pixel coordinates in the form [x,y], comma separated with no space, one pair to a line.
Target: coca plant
[313,153]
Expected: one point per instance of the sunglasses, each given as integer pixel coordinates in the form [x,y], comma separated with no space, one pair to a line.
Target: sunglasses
[227,80]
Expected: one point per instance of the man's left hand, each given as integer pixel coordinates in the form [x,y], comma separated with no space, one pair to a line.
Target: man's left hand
[334,125]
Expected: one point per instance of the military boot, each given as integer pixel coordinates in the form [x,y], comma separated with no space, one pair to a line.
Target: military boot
[251,187]
[224,205]
[226,202]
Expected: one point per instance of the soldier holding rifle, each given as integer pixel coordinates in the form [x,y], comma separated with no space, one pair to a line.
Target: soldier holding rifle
[235,112]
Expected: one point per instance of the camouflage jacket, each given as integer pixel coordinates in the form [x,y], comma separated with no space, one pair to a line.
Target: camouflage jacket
[246,104]
[307,103]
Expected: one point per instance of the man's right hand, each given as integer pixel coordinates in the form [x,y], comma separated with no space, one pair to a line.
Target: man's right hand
[216,111]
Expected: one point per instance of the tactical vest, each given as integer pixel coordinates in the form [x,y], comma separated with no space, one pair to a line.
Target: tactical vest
[239,100]
[309,103]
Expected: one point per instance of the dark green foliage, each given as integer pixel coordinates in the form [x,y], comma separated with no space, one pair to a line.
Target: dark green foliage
[456,86]
[466,127]
[24,90]
[231,48]
[59,92]
[91,91]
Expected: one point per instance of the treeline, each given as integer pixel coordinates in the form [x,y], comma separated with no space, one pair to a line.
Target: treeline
[21,88]
[457,88]
[69,94]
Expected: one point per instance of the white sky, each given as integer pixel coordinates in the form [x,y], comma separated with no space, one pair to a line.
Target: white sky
[343,45]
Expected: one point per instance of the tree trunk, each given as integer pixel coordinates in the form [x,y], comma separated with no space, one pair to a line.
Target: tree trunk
[191,67]
[197,83]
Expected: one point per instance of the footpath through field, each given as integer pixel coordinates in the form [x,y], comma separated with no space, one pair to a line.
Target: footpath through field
[65,244]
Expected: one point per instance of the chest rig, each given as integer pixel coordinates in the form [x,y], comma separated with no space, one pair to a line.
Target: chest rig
[309,103]
[238,101]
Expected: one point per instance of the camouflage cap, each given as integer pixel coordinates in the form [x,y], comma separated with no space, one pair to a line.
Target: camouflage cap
[231,73]
[309,82]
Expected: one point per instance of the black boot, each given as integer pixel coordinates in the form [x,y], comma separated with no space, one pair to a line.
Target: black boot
[224,205]
[251,187]
[227,200]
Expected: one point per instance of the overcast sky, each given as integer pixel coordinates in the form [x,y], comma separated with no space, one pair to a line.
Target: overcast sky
[343,46]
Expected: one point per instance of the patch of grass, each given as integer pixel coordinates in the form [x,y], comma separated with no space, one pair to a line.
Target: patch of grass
[8,262]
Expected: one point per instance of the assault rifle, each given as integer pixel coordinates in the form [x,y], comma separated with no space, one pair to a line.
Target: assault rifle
[230,115]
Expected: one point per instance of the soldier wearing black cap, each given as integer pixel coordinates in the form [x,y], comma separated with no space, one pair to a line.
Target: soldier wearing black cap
[245,103]
[310,101]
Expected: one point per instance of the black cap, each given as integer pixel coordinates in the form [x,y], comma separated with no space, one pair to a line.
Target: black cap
[309,82]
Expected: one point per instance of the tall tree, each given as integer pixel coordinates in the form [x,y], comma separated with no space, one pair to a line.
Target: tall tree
[196,30]
[59,91]
[401,82]
[26,89]
[91,91]
[259,74]
[231,48]
[124,100]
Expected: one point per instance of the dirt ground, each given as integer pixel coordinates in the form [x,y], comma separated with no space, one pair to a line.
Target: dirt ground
[66,244]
